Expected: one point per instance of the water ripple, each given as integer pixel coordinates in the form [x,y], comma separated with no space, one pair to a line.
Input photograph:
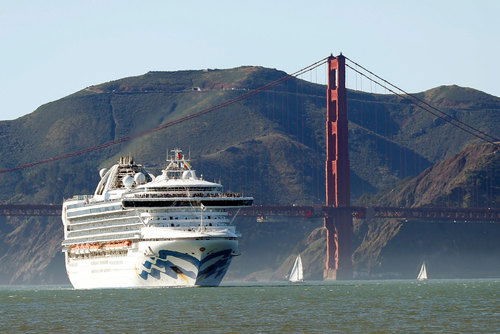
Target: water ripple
[442,306]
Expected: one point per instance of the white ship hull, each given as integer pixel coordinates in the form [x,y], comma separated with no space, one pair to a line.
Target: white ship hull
[188,262]
[140,230]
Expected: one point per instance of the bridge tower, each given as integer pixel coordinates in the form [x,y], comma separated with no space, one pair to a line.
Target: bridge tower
[339,225]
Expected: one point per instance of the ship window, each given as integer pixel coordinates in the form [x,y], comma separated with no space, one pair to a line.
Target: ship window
[176,270]
[170,217]
[172,224]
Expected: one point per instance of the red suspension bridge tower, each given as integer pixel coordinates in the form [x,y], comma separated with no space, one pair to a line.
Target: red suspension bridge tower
[339,225]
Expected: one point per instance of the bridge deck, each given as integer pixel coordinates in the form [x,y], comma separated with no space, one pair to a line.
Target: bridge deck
[424,213]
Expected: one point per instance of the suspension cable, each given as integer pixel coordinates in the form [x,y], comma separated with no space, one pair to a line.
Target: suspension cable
[174,122]
[424,108]
[444,116]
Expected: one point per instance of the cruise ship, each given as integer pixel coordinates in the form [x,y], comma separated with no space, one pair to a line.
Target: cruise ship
[141,230]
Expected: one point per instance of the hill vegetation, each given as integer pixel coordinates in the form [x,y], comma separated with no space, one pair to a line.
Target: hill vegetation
[270,146]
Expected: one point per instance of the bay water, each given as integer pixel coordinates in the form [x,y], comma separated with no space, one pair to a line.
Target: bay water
[433,306]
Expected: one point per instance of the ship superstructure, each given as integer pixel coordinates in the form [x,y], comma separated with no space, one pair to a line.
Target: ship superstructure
[141,230]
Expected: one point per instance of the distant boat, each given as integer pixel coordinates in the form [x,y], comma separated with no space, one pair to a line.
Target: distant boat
[422,275]
[297,274]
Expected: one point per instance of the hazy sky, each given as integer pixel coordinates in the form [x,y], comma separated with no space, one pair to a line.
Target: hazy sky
[50,49]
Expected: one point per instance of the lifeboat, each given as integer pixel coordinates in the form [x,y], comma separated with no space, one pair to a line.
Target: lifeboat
[95,247]
[117,244]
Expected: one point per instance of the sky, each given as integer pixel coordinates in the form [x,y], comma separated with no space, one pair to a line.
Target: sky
[50,49]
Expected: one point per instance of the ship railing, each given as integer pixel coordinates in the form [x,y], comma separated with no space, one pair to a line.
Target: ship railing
[196,228]
[101,238]
[82,197]
[190,195]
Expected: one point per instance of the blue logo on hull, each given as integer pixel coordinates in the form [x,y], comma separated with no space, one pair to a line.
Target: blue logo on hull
[211,275]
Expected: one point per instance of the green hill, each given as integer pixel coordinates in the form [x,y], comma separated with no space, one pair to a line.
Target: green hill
[394,248]
[468,179]
[270,146]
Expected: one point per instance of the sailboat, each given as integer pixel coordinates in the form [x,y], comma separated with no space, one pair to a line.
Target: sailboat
[422,275]
[297,273]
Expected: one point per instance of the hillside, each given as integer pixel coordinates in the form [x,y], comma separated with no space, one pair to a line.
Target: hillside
[394,248]
[270,146]
[469,179]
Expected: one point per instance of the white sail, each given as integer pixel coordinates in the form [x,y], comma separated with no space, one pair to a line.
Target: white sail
[297,274]
[422,275]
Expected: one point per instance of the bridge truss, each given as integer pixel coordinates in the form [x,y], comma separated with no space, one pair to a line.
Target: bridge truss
[462,215]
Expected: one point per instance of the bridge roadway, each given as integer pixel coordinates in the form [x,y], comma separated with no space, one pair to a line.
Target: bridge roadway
[264,211]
